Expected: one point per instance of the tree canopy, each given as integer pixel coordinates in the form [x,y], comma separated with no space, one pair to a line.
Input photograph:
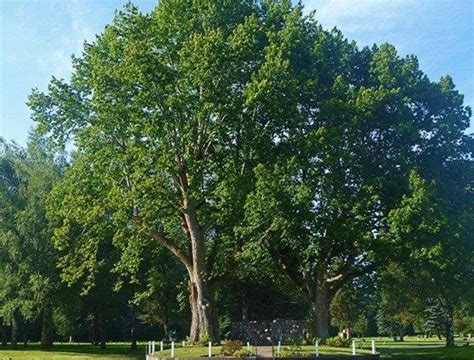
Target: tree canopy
[226,147]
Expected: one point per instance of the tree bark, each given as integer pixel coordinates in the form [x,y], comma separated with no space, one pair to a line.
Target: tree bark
[321,308]
[449,327]
[14,331]
[245,307]
[94,332]
[133,337]
[47,325]
[103,338]
[24,332]
[4,335]
[202,324]
[201,303]
[194,331]
[401,334]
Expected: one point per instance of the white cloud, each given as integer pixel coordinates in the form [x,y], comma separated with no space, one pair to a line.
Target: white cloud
[79,12]
[72,28]
[358,15]
[57,63]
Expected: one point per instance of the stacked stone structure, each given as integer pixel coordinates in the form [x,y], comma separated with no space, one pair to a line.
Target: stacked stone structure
[267,332]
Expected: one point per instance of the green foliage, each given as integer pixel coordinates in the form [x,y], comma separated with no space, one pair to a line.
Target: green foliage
[244,353]
[432,230]
[361,325]
[204,339]
[222,147]
[337,341]
[464,324]
[29,284]
[345,307]
[295,346]
[434,320]
[231,347]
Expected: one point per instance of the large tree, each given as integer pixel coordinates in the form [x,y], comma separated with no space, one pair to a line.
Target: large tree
[173,109]
[320,208]
[180,114]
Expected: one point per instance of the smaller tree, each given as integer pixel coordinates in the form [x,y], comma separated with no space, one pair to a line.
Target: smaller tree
[435,318]
[345,308]
[386,325]
[29,279]
[361,325]
[433,228]
[464,319]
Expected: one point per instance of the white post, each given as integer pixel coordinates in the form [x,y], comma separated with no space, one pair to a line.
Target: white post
[317,347]
[172,349]
[279,347]
[248,345]
[184,343]
[161,346]
[353,347]
[373,347]
[149,347]
[153,348]
[210,349]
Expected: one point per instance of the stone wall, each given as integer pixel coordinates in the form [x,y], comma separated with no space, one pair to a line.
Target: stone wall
[266,332]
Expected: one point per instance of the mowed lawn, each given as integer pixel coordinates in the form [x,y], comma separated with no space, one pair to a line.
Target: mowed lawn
[411,348]
[73,351]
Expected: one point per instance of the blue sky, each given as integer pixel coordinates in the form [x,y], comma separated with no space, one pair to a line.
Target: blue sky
[38,36]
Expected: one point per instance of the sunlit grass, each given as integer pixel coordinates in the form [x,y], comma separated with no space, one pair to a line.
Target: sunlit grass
[411,348]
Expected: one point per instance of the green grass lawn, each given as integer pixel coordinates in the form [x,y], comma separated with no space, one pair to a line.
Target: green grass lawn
[411,348]
[73,351]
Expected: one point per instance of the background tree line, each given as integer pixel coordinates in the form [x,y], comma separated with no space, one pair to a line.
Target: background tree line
[233,160]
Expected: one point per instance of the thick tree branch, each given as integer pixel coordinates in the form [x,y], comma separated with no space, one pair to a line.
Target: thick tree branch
[161,239]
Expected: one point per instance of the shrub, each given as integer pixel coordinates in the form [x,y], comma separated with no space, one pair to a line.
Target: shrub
[231,347]
[242,353]
[204,339]
[337,341]
[294,349]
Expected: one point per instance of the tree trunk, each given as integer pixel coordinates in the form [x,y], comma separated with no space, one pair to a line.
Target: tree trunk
[94,330]
[202,324]
[195,327]
[449,327]
[103,338]
[47,326]
[24,334]
[245,310]
[401,334]
[202,319]
[14,331]
[133,337]
[4,335]
[320,309]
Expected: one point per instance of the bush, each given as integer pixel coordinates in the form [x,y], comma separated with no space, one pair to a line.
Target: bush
[294,349]
[204,339]
[242,353]
[231,347]
[337,341]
